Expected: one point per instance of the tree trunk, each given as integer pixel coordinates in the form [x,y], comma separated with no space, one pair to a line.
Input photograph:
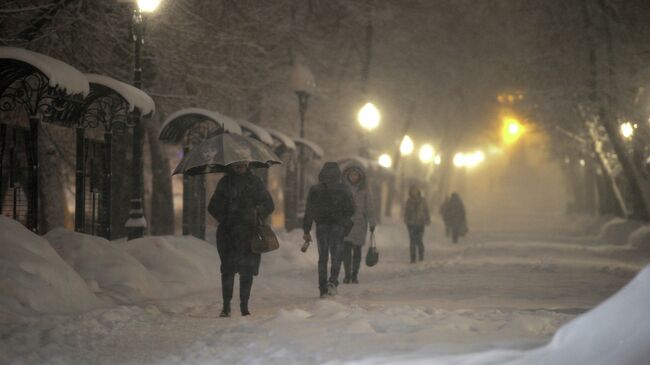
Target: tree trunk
[639,189]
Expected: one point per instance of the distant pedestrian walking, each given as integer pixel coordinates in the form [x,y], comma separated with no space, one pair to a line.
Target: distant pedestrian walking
[330,205]
[239,201]
[363,219]
[416,216]
[453,214]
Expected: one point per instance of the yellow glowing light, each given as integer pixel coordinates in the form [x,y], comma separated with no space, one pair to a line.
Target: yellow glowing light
[459,160]
[369,117]
[512,130]
[426,153]
[500,99]
[148,6]
[437,160]
[627,130]
[469,160]
[407,146]
[385,161]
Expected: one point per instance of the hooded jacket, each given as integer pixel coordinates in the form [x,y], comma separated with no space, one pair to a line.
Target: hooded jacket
[330,201]
[364,214]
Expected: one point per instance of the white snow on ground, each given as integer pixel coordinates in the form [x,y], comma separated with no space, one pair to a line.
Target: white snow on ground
[108,269]
[33,278]
[488,300]
[640,238]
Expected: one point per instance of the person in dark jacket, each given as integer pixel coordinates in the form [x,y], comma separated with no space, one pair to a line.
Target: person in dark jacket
[416,216]
[363,219]
[239,201]
[330,205]
[453,213]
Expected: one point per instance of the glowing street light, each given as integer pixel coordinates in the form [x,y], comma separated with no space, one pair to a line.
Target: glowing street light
[426,153]
[437,160]
[148,6]
[627,130]
[407,146]
[512,130]
[369,117]
[459,160]
[469,159]
[385,161]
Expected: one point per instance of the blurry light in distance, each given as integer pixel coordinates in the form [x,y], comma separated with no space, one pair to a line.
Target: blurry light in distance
[627,130]
[512,130]
[459,160]
[407,146]
[437,160]
[582,162]
[385,161]
[148,6]
[426,153]
[369,117]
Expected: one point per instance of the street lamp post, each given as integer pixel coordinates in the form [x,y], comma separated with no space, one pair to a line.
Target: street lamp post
[302,81]
[136,224]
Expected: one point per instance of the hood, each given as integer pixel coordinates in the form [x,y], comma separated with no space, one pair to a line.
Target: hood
[363,182]
[330,173]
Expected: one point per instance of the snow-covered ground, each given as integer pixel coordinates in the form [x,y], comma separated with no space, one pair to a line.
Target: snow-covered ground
[492,299]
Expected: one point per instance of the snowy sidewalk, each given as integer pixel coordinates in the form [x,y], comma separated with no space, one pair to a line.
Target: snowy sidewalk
[508,295]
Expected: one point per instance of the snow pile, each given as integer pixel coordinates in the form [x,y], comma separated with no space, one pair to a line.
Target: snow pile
[106,267]
[33,278]
[183,265]
[615,332]
[640,238]
[617,230]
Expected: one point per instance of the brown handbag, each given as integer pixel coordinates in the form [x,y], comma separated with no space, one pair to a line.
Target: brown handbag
[264,239]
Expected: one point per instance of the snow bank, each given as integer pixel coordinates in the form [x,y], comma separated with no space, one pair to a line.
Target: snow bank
[107,268]
[640,238]
[34,279]
[617,231]
[183,264]
[615,332]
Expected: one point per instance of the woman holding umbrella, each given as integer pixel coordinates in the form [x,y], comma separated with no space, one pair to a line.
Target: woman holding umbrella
[240,200]
[239,203]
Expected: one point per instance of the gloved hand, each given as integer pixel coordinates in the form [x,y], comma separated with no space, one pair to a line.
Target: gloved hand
[306,237]
[372,229]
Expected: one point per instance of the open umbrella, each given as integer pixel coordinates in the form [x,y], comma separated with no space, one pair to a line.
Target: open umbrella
[215,153]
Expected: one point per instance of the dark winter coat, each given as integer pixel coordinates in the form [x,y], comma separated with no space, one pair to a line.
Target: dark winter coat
[416,212]
[235,204]
[453,213]
[330,201]
[364,214]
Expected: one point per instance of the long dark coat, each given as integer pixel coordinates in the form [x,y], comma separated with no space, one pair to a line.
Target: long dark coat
[234,204]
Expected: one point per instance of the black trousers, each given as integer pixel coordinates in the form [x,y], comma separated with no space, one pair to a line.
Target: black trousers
[416,234]
[228,285]
[351,259]
[330,244]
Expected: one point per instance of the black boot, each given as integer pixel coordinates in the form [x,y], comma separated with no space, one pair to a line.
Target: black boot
[355,280]
[346,280]
[225,312]
[227,284]
[245,285]
[243,306]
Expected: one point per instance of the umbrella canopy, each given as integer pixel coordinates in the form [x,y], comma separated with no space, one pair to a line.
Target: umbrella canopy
[216,153]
